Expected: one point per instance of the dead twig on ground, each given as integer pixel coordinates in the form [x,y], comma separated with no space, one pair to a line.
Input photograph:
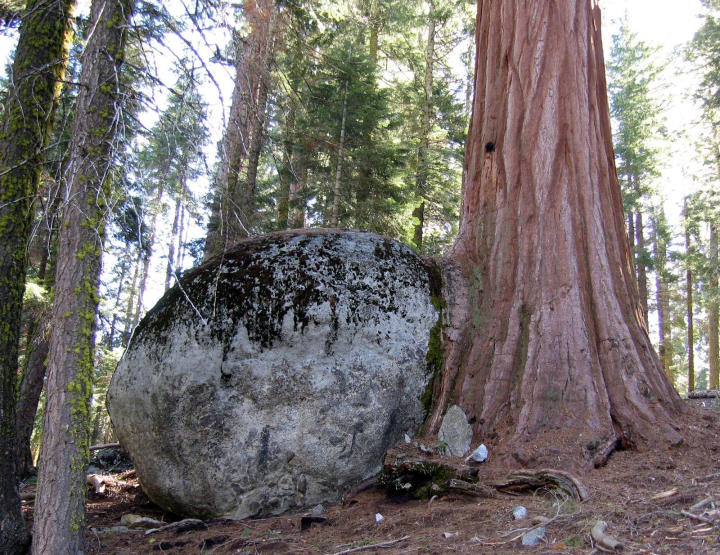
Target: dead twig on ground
[699,518]
[180,526]
[382,545]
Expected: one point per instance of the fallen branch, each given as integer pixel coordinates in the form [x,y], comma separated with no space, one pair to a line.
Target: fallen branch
[382,545]
[496,544]
[700,504]
[602,540]
[665,494]
[699,518]
[469,488]
[709,394]
[708,477]
[180,526]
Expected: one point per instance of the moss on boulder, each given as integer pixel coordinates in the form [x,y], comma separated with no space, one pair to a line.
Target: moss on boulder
[275,376]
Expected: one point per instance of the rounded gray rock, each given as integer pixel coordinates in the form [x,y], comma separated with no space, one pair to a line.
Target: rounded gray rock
[455,431]
[275,376]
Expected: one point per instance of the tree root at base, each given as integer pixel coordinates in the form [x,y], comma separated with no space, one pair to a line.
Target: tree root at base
[418,474]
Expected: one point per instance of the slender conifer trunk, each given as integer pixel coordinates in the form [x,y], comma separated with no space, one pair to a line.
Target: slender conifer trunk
[421,177]
[689,306]
[662,299]
[59,519]
[233,208]
[713,310]
[37,73]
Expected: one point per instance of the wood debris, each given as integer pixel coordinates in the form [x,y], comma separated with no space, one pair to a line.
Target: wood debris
[382,545]
[534,479]
[180,526]
[665,494]
[602,540]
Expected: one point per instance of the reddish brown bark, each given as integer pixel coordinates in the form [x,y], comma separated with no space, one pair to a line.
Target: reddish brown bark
[547,351]
[233,211]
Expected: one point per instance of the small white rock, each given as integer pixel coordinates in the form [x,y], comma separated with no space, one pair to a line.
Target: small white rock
[479,455]
[379,518]
[449,535]
[519,512]
[407,439]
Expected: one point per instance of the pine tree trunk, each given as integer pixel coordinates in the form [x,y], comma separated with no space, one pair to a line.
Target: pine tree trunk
[689,307]
[59,520]
[546,349]
[173,238]
[116,306]
[631,237]
[38,69]
[147,258]
[373,40]
[713,310]
[662,300]
[640,264]
[182,241]
[233,208]
[259,116]
[335,214]
[286,171]
[296,199]
[31,387]
[423,163]
[129,309]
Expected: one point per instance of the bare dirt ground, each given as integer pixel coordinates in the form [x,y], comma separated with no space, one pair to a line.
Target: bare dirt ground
[660,501]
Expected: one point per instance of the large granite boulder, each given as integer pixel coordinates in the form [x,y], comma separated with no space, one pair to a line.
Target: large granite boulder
[275,376]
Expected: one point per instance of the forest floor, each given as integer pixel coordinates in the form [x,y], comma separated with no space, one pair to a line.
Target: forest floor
[661,501]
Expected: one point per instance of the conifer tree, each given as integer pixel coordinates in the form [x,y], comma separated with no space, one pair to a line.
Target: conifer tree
[632,73]
[38,69]
[59,523]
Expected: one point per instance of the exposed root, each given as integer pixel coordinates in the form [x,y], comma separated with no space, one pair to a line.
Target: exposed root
[533,479]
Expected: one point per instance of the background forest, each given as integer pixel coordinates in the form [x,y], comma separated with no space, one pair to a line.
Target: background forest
[242,118]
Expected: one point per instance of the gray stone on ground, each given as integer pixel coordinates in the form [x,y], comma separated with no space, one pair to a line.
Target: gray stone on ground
[534,536]
[276,376]
[455,431]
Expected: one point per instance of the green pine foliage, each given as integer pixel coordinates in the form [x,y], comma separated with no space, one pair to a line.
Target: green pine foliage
[632,74]
[363,58]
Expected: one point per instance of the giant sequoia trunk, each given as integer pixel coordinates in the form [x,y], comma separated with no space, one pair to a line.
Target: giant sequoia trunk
[547,351]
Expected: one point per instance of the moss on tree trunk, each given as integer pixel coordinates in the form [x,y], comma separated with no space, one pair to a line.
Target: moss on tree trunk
[59,523]
[38,68]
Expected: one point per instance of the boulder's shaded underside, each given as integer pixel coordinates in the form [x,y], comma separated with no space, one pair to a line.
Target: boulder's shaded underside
[276,376]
